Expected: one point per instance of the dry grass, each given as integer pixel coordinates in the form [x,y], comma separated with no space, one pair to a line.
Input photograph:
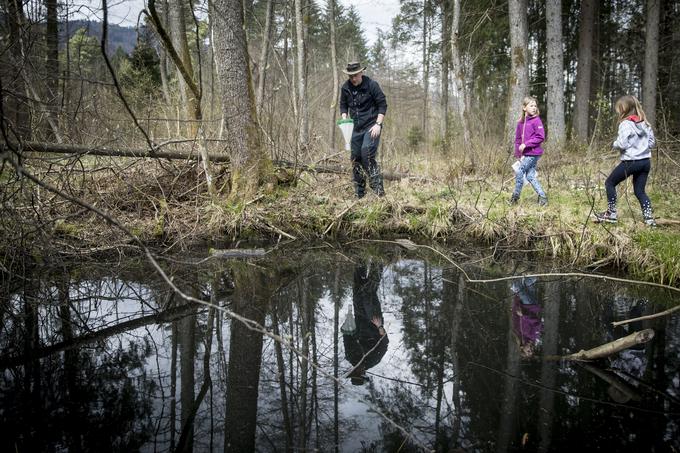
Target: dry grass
[444,199]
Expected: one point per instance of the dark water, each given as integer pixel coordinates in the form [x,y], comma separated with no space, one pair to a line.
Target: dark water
[104,357]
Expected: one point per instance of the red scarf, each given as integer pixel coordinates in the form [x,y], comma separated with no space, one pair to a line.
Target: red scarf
[633,118]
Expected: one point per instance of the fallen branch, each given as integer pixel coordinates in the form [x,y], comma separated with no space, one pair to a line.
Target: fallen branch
[642,318]
[612,347]
[618,389]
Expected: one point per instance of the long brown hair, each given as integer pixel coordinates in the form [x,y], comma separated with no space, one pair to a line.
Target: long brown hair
[629,105]
[526,102]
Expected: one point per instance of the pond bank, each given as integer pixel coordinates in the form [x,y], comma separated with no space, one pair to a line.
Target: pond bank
[322,207]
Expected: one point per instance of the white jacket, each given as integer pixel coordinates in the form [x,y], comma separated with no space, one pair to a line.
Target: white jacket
[635,140]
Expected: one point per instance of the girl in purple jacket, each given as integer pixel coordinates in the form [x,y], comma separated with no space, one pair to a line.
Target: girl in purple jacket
[528,138]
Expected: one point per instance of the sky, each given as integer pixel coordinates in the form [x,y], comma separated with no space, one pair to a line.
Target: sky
[375,14]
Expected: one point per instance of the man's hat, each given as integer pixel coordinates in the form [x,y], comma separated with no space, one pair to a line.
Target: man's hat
[353,67]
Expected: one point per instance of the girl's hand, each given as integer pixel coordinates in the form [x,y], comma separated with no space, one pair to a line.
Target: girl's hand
[522,147]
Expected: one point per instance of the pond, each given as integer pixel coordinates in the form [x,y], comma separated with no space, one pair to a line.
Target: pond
[364,347]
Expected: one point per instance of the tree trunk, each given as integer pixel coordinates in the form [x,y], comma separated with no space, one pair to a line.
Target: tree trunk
[264,54]
[178,34]
[519,72]
[16,110]
[651,60]
[446,64]
[555,74]
[52,57]
[238,103]
[584,71]
[180,56]
[334,67]
[458,77]
[301,76]
[245,354]
[187,355]
[426,71]
[551,330]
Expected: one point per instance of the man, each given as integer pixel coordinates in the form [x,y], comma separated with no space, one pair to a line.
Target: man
[362,99]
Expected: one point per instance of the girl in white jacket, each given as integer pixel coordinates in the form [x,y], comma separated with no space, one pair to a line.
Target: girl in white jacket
[634,141]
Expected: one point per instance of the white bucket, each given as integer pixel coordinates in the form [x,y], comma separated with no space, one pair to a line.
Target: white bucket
[346,126]
[515,167]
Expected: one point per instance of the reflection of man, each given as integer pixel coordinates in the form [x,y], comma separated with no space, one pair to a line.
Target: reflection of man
[366,346]
[527,323]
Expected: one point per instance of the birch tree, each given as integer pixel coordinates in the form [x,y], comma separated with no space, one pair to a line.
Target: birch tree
[52,47]
[651,60]
[178,34]
[264,54]
[555,73]
[458,76]
[426,67]
[584,69]
[181,57]
[301,75]
[334,68]
[446,64]
[519,72]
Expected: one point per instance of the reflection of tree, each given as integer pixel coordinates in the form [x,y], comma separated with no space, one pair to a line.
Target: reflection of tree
[94,399]
[251,294]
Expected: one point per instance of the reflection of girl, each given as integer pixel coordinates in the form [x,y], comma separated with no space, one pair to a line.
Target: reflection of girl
[527,323]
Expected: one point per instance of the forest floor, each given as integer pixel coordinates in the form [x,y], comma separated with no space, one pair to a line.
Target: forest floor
[443,201]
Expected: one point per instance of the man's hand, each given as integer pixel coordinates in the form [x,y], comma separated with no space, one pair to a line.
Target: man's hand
[375,131]
[522,147]
[378,323]
[344,116]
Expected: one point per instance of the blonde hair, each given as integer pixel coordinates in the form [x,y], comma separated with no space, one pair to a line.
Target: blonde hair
[629,105]
[526,102]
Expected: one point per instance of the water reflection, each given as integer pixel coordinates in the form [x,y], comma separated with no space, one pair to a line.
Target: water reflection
[365,339]
[527,322]
[105,358]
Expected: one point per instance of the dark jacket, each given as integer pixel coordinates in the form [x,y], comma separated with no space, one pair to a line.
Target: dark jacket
[366,346]
[363,102]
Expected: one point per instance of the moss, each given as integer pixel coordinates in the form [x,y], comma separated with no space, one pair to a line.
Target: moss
[64,228]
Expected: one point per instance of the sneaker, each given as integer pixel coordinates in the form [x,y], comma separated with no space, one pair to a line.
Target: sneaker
[606,216]
[542,201]
[650,222]
[513,200]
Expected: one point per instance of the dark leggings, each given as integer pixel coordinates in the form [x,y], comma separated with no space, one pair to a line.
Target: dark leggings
[639,170]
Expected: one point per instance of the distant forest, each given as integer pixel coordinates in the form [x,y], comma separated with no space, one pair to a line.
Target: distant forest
[123,37]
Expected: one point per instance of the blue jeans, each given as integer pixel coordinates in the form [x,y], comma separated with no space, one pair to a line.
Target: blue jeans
[364,150]
[527,167]
[639,169]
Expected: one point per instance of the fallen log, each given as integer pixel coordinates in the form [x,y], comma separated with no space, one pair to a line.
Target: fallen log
[612,347]
[237,253]
[39,147]
[77,151]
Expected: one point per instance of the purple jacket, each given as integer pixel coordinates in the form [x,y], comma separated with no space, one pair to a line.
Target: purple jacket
[526,321]
[534,134]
